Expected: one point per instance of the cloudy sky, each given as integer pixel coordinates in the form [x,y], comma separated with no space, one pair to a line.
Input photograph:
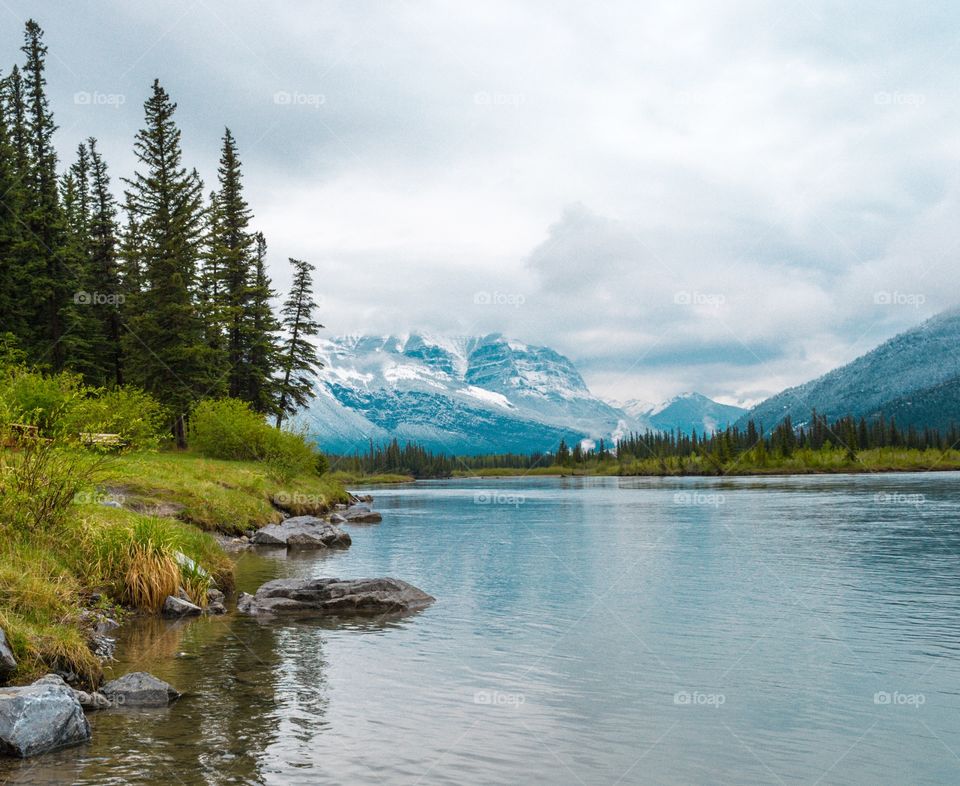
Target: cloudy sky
[724,197]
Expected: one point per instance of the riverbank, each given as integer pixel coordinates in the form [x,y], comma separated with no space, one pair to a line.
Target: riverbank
[117,546]
[801,462]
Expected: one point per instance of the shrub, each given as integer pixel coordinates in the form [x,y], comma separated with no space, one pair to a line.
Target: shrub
[136,416]
[287,454]
[38,399]
[227,428]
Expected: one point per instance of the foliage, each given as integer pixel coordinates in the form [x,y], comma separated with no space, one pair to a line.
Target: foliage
[135,416]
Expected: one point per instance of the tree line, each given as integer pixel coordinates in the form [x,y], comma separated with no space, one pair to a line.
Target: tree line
[719,448]
[168,292]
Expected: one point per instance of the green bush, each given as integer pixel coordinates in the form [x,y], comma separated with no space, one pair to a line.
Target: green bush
[37,399]
[227,428]
[136,416]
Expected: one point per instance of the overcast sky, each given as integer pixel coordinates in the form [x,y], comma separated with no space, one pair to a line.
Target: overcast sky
[724,197]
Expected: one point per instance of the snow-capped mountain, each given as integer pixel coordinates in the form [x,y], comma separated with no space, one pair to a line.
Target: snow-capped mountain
[687,412]
[463,395]
[914,377]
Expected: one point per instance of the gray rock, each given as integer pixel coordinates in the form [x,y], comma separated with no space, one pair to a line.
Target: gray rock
[39,718]
[302,532]
[335,597]
[8,663]
[362,514]
[139,689]
[215,602]
[111,503]
[336,518]
[177,607]
[106,625]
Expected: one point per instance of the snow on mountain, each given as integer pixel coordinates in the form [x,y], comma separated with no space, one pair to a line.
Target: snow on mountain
[458,395]
[687,412]
[915,377]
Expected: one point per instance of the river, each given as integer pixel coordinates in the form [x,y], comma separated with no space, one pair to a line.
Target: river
[586,631]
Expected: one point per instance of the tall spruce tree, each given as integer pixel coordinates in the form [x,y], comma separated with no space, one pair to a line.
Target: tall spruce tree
[11,285]
[49,273]
[103,268]
[165,348]
[232,248]
[299,361]
[264,353]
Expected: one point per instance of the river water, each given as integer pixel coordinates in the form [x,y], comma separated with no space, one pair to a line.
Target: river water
[586,631]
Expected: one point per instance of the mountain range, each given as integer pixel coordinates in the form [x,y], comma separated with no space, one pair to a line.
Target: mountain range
[473,395]
[914,377]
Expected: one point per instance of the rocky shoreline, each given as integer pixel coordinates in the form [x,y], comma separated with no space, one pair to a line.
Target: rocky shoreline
[50,713]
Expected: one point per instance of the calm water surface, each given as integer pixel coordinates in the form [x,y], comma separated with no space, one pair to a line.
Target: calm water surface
[587,631]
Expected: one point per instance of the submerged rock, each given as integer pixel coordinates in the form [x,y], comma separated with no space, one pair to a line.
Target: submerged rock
[302,532]
[178,607]
[362,514]
[139,689]
[92,701]
[39,718]
[8,663]
[335,597]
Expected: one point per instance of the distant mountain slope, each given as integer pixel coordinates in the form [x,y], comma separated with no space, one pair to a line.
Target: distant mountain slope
[686,412]
[914,375]
[465,395]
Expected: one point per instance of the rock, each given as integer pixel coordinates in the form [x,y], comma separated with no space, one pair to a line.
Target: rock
[139,689]
[189,565]
[39,718]
[177,607]
[215,602]
[111,503]
[362,514]
[302,532]
[8,663]
[336,518]
[106,625]
[335,597]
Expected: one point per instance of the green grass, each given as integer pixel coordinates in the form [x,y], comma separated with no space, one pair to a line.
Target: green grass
[216,494]
[801,462]
[355,479]
[55,557]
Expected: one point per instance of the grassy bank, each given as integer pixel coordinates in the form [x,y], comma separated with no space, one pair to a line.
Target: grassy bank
[359,479]
[66,558]
[800,462]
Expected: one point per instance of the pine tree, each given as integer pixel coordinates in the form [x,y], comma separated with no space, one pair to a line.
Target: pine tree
[232,249]
[165,349]
[48,272]
[299,361]
[103,267]
[264,355]
[12,302]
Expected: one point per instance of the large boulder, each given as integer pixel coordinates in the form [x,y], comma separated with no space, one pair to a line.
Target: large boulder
[8,663]
[302,532]
[39,718]
[139,689]
[335,597]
